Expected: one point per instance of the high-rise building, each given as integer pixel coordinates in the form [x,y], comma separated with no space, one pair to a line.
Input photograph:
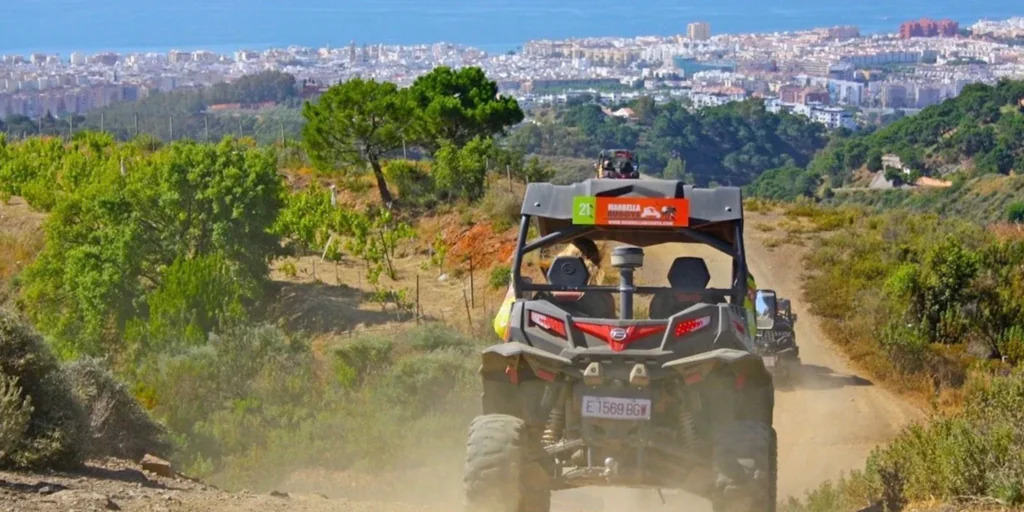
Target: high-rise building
[926,27]
[78,59]
[177,56]
[698,31]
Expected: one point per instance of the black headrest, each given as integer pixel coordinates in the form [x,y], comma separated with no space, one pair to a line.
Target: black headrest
[568,271]
[688,272]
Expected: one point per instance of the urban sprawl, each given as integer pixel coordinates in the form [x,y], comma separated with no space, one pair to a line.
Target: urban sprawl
[832,75]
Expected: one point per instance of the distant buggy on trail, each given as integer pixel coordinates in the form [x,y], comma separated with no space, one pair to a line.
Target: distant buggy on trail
[583,393]
[776,336]
[618,164]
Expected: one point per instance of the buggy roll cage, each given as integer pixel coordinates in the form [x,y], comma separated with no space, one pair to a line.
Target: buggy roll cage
[711,212]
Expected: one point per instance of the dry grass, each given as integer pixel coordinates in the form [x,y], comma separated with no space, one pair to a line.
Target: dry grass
[17,251]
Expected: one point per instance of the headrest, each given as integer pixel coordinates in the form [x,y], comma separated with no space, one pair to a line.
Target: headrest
[688,272]
[568,271]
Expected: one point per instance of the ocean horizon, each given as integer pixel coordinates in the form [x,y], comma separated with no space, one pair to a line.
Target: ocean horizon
[224,26]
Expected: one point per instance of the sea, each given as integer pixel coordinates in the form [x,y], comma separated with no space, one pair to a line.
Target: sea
[65,26]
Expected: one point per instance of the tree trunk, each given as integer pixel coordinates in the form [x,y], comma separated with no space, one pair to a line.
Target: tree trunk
[382,184]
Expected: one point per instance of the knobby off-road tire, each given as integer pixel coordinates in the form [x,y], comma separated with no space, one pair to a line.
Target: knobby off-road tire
[500,475]
[746,468]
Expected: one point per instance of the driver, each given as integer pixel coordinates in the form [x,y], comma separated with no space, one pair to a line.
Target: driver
[627,169]
[748,303]
[609,169]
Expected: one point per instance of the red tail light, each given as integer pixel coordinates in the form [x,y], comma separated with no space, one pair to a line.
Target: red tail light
[618,338]
[551,325]
[687,327]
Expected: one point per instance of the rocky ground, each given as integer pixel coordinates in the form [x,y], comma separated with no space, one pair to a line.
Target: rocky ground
[124,485]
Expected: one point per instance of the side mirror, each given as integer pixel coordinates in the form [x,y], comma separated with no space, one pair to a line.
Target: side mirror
[766,306]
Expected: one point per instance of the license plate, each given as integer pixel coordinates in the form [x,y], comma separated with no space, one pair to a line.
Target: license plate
[769,361]
[616,408]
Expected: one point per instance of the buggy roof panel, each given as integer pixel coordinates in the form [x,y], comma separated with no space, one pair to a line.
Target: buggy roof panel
[712,211]
[707,205]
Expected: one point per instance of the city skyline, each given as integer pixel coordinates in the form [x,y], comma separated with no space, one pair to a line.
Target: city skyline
[227,49]
[835,70]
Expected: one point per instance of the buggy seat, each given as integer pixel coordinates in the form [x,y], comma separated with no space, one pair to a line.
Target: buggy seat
[571,272]
[686,276]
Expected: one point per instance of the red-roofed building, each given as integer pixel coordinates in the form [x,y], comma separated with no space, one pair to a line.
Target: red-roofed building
[926,27]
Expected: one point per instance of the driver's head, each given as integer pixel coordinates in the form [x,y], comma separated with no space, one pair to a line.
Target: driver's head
[588,250]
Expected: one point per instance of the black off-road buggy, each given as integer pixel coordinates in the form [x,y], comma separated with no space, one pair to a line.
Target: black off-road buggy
[776,336]
[583,393]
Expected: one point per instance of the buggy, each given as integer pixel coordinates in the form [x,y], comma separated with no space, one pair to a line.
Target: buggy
[584,392]
[618,164]
[776,336]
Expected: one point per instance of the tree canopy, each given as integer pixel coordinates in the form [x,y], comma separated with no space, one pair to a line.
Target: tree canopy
[355,123]
[458,106]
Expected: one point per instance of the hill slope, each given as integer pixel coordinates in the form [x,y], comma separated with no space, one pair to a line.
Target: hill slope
[979,132]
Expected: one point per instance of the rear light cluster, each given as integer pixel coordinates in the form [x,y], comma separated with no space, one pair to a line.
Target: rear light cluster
[687,327]
[548,324]
[618,338]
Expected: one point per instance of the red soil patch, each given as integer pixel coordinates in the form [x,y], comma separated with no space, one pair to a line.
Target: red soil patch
[480,242]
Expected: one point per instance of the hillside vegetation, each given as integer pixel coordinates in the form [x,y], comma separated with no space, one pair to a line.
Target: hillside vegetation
[984,199]
[934,307]
[979,132]
[729,145]
[154,270]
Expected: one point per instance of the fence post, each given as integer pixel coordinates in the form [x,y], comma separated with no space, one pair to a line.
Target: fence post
[472,293]
[469,317]
[417,299]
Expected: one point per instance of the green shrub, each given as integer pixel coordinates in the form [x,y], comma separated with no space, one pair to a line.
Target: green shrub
[118,425]
[362,358]
[502,208]
[973,454]
[461,172]
[15,414]
[499,277]
[415,185]
[434,337]
[1015,212]
[55,432]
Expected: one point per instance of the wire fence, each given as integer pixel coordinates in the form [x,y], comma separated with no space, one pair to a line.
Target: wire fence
[469,301]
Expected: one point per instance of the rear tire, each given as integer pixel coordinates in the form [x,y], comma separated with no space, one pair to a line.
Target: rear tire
[746,468]
[501,475]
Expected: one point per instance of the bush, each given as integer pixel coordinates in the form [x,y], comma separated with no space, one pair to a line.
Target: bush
[255,402]
[500,277]
[118,425]
[461,172]
[415,185]
[502,209]
[973,454]
[1015,212]
[15,414]
[55,431]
